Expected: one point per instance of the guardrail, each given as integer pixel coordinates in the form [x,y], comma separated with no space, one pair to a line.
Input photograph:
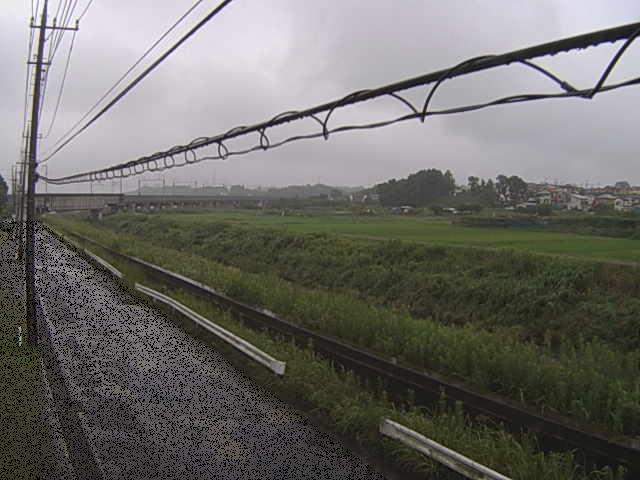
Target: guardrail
[106,265]
[276,366]
[100,261]
[426,388]
[454,460]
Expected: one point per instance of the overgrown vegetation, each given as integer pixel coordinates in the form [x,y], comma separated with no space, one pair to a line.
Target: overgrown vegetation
[355,411]
[589,381]
[541,299]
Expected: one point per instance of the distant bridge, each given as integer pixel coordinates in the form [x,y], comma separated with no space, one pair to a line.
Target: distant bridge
[100,203]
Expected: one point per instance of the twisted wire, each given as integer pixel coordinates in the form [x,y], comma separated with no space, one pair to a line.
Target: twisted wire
[186,154]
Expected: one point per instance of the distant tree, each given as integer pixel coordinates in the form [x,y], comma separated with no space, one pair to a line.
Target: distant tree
[604,209]
[489,196]
[473,183]
[418,189]
[512,189]
[450,182]
[517,188]
[502,185]
[436,209]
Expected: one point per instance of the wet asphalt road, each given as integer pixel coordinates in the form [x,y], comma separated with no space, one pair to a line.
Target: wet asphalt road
[157,404]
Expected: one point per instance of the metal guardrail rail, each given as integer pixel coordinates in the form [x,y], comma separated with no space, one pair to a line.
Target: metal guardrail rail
[424,387]
[276,366]
[454,460]
[106,265]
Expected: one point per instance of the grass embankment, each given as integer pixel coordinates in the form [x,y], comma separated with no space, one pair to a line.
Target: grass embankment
[431,230]
[590,382]
[340,401]
[545,299]
[25,450]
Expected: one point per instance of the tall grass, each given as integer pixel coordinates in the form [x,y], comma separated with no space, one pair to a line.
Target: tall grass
[539,297]
[588,381]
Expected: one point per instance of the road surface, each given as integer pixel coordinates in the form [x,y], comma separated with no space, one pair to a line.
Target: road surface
[156,403]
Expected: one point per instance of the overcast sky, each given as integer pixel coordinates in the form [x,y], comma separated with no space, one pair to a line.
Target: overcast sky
[262,57]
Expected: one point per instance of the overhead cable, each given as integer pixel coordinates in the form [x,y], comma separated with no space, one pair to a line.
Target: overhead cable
[142,57]
[140,77]
[167,159]
[61,90]
[66,21]
[85,10]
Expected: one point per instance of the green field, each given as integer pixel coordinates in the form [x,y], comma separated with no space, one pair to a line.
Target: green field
[430,230]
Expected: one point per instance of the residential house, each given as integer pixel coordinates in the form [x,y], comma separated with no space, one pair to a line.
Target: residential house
[579,202]
[605,199]
[623,204]
[544,197]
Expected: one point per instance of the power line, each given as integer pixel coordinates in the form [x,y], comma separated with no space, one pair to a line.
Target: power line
[144,55]
[64,78]
[51,38]
[167,159]
[55,18]
[26,88]
[67,13]
[140,77]
[85,10]
[65,24]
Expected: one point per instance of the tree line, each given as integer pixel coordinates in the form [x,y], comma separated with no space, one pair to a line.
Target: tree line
[430,186]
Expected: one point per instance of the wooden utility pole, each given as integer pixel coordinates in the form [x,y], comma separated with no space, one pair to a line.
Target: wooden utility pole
[30,270]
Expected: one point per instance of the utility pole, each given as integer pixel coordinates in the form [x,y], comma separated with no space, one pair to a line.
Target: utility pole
[22,178]
[30,268]
[13,187]
[163,187]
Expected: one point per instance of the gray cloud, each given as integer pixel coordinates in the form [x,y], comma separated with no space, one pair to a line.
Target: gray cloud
[260,58]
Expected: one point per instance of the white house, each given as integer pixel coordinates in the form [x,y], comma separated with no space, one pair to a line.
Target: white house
[543,197]
[623,204]
[579,202]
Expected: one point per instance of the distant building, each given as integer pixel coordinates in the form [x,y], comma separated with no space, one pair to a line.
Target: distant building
[623,204]
[623,186]
[403,210]
[560,198]
[605,199]
[543,197]
[581,203]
